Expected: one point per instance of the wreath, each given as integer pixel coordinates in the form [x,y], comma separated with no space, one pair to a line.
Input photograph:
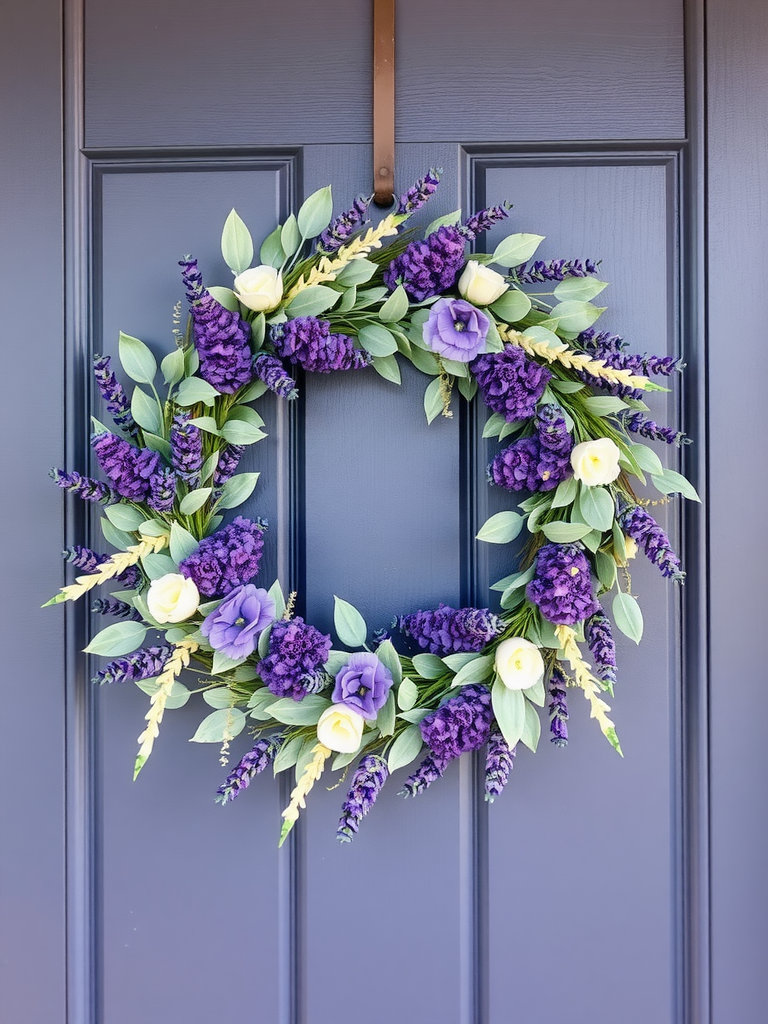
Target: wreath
[341,295]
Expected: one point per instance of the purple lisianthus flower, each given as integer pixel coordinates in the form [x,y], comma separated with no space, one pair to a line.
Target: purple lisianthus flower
[234,626]
[363,684]
[456,330]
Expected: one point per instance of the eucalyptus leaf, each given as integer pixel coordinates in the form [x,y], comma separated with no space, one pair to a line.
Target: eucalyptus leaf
[315,213]
[414,716]
[516,249]
[124,517]
[493,425]
[475,671]
[195,500]
[236,244]
[604,405]
[433,400]
[389,657]
[386,367]
[276,593]
[501,528]
[312,301]
[290,236]
[153,528]
[223,663]
[145,411]
[252,392]
[225,297]
[356,272]
[117,538]
[627,616]
[512,306]
[596,507]
[429,666]
[156,565]
[182,543]
[177,698]
[456,662]
[303,712]
[509,710]
[193,390]
[385,719]
[172,366]
[219,697]
[531,727]
[447,220]
[407,694]
[220,725]
[573,316]
[158,444]
[566,492]
[237,490]
[137,359]
[335,662]
[579,289]
[117,639]
[405,749]
[467,387]
[670,482]
[395,307]
[605,565]
[536,693]
[517,579]
[376,339]
[349,624]
[566,387]
[647,459]
[426,362]
[238,431]
[272,253]
[564,533]
[288,753]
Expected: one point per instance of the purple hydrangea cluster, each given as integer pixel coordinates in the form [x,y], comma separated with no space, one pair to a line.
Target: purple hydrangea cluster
[599,637]
[229,460]
[346,224]
[135,473]
[113,394]
[257,760]
[84,487]
[268,369]
[227,559]
[537,463]
[142,664]
[309,342]
[643,528]
[429,267]
[558,707]
[295,658]
[510,383]
[499,761]
[462,724]
[367,782]
[447,630]
[554,270]
[637,423]
[562,586]
[186,449]
[484,220]
[419,193]
[222,337]
[112,606]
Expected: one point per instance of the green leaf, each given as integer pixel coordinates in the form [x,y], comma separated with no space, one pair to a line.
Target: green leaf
[564,533]
[414,716]
[493,425]
[182,543]
[395,307]
[536,693]
[424,361]
[377,340]
[237,489]
[493,342]
[405,749]
[512,306]
[263,645]
[290,236]
[604,405]
[433,400]
[501,528]
[646,458]
[456,662]
[223,663]
[316,299]
[252,392]
[531,728]
[238,431]
[219,697]
[447,220]
[177,698]
[385,720]
[124,517]
[145,411]
[670,482]
[276,593]
[573,317]
[540,333]
[288,754]
[191,361]
[138,361]
[348,299]
[605,565]
[172,367]
[349,623]
[356,272]
[315,213]
[579,289]
[335,662]
[271,253]
[158,444]
[193,390]
[156,566]
[191,502]
[220,725]
[118,639]
[475,671]
[509,709]
[566,387]
[566,492]
[429,666]
[117,538]
[407,694]
[389,657]
[516,249]
[236,244]
[596,507]
[386,367]
[369,297]
[303,712]
[225,297]
[517,579]
[627,616]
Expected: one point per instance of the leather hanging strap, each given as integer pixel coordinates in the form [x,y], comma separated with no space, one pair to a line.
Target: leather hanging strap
[383,102]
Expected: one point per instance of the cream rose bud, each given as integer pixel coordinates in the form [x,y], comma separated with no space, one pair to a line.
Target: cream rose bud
[480,285]
[172,598]
[260,288]
[340,729]
[519,663]
[596,462]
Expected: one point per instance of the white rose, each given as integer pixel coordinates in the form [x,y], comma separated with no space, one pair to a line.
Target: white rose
[340,729]
[260,288]
[596,462]
[172,598]
[519,663]
[480,285]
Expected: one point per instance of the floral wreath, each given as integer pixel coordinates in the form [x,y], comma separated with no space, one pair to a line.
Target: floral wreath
[337,295]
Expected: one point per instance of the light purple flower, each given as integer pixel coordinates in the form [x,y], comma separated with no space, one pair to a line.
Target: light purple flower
[363,684]
[456,330]
[233,628]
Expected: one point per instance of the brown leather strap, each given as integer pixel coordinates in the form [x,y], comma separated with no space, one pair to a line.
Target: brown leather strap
[383,102]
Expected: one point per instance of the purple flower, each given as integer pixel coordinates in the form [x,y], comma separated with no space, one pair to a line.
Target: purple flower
[499,761]
[83,558]
[562,586]
[558,707]
[367,782]
[111,606]
[639,424]
[295,659]
[599,637]
[113,394]
[419,193]
[186,449]
[229,460]
[227,559]
[162,489]
[643,528]
[268,369]
[516,467]
[345,225]
[257,760]
[309,342]
[449,630]
[456,329]
[84,487]
[510,383]
[428,267]
[463,723]
[142,664]
[484,220]
[233,628]
[555,270]
[555,445]
[363,684]
[129,469]
[429,771]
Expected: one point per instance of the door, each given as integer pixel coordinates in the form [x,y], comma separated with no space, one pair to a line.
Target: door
[595,890]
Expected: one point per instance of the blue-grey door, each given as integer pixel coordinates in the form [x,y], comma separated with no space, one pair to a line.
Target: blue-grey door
[595,890]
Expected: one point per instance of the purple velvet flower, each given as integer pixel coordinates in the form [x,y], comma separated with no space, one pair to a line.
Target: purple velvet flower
[599,637]
[456,329]
[294,663]
[510,383]
[367,782]
[363,684]
[129,469]
[309,342]
[419,193]
[257,760]
[186,449]
[462,724]
[499,761]
[517,467]
[142,664]
[162,489]
[562,586]
[449,630]
[84,487]
[428,267]
[268,369]
[113,394]
[222,337]
[637,423]
[233,628]
[346,224]
[558,707]
[484,220]
[111,606]
[229,460]
[643,528]
[429,771]
[555,270]
[227,559]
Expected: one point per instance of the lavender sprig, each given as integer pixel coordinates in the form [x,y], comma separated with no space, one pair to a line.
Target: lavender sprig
[113,394]
[229,460]
[429,771]
[84,487]
[554,270]
[257,760]
[637,423]
[271,372]
[142,664]
[419,193]
[112,606]
[499,761]
[341,230]
[599,637]
[558,708]
[83,558]
[367,782]
[484,220]
[186,449]
[643,528]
